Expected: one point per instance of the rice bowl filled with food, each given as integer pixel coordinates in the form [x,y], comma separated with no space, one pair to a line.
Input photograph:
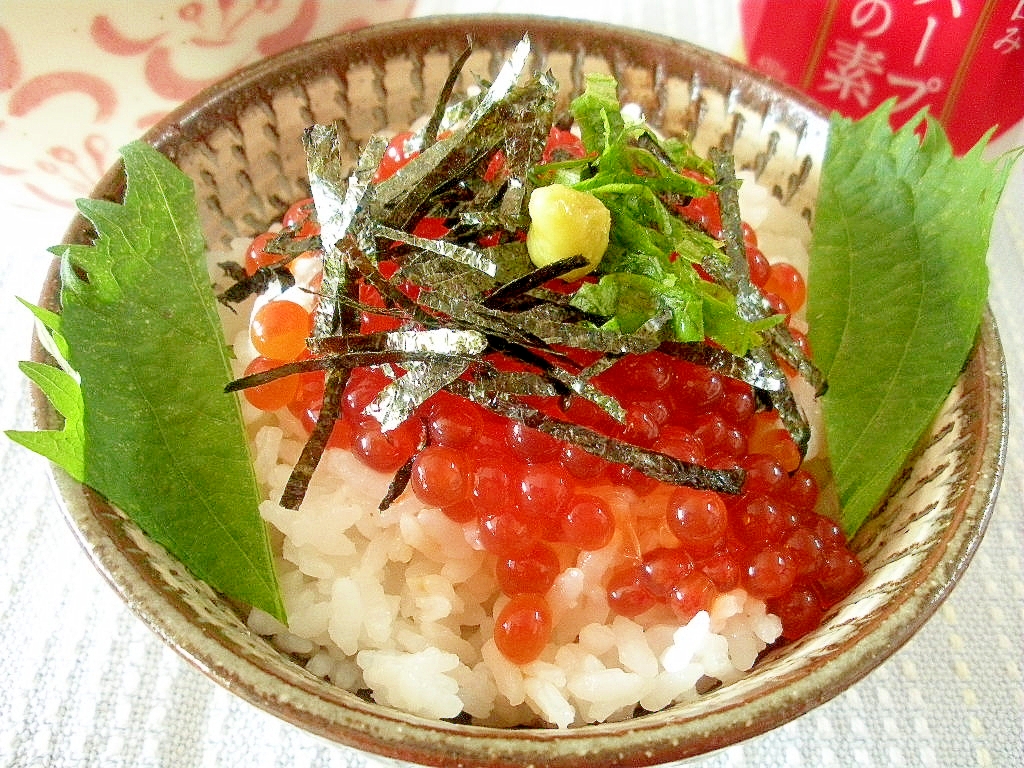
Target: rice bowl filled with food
[513,575]
[533,433]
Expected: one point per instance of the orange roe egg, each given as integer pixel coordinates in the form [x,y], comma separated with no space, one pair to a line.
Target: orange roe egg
[523,628]
[439,476]
[257,256]
[275,394]
[533,571]
[786,282]
[279,329]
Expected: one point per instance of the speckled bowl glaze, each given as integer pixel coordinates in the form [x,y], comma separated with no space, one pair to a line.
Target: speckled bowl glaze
[239,141]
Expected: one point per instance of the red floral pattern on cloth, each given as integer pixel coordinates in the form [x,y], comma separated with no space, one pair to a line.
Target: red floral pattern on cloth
[78,80]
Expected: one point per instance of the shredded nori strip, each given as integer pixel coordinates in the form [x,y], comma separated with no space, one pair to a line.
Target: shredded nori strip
[466,313]
[789,351]
[398,484]
[467,256]
[659,466]
[580,386]
[401,197]
[233,269]
[443,341]
[557,331]
[438,341]
[524,147]
[258,282]
[506,296]
[746,369]
[749,300]
[444,275]
[384,358]
[513,260]
[522,383]
[339,200]
[400,399]
[286,243]
[432,128]
[289,246]
[330,410]
[280,372]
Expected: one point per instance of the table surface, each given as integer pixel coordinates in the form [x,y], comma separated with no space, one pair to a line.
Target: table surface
[85,683]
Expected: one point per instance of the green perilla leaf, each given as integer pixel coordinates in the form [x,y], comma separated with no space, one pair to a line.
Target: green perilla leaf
[148,424]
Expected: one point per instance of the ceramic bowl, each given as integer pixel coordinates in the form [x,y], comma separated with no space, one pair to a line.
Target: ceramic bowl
[239,141]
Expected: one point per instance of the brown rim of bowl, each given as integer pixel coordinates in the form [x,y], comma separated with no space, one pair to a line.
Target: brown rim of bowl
[652,739]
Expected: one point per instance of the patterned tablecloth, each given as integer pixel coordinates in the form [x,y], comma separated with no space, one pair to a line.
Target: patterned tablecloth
[85,683]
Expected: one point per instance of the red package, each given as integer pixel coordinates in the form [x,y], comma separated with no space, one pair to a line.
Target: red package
[962,59]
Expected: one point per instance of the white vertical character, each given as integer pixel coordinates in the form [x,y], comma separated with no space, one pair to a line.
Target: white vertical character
[871,17]
[851,77]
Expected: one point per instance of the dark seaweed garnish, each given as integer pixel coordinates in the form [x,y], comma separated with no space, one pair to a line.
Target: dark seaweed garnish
[340,199]
[289,243]
[298,482]
[433,126]
[475,308]
[745,368]
[280,372]
[401,197]
[510,295]
[751,300]
[752,305]
[260,281]
[398,484]
[447,250]
[653,464]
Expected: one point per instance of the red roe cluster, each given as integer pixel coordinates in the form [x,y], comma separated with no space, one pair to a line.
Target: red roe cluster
[536,502]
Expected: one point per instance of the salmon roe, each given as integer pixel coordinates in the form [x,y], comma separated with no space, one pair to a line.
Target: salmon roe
[279,329]
[536,503]
[523,628]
